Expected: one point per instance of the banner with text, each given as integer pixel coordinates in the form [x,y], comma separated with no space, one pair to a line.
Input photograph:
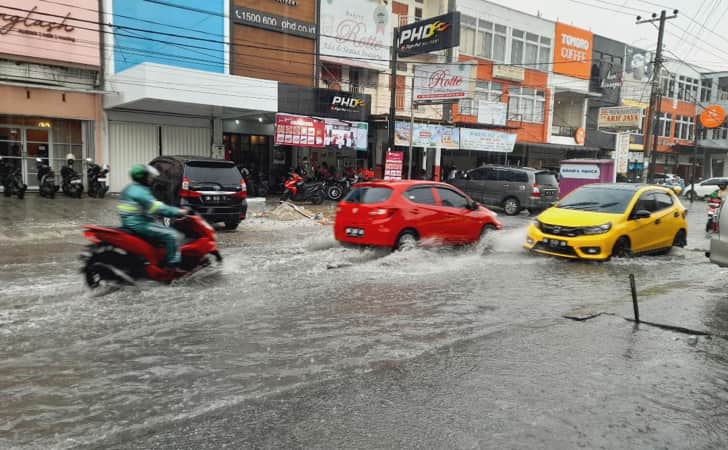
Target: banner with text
[486,140]
[300,131]
[393,166]
[440,83]
[433,136]
[359,31]
[346,135]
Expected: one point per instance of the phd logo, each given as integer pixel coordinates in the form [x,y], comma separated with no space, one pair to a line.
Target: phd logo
[411,36]
[342,103]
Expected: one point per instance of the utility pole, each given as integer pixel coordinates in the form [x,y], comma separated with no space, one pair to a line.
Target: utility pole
[393,91]
[653,119]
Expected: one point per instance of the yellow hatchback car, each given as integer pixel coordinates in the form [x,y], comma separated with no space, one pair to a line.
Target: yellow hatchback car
[598,221]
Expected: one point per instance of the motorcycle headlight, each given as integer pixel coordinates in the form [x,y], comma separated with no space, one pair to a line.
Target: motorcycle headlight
[599,229]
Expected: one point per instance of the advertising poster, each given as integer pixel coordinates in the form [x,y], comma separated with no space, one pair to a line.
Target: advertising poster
[393,166]
[300,131]
[444,82]
[621,153]
[486,140]
[429,35]
[359,31]
[492,113]
[432,136]
[346,135]
[637,75]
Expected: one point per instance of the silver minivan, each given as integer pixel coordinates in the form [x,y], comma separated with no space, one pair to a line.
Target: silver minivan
[718,253]
[511,188]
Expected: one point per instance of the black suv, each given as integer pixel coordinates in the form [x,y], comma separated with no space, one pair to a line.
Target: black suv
[512,188]
[213,188]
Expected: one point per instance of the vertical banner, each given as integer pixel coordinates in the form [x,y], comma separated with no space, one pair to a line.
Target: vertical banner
[621,154]
[393,166]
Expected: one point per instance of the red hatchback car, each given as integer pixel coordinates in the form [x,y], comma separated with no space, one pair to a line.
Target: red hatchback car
[397,214]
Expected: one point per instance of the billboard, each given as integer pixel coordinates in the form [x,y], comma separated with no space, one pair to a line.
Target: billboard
[300,131]
[573,51]
[620,119]
[433,136]
[440,83]
[487,140]
[638,67]
[358,31]
[51,31]
[429,35]
[346,135]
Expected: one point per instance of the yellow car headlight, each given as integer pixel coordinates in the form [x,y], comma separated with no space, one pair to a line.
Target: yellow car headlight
[599,229]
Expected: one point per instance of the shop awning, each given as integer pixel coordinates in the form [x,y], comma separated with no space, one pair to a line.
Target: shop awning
[158,88]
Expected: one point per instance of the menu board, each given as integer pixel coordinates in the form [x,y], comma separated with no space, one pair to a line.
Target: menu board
[300,131]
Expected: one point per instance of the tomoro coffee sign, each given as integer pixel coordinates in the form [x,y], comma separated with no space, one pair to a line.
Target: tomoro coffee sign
[429,35]
[272,22]
[573,51]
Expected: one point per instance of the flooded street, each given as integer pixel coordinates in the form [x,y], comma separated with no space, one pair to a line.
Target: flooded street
[296,341]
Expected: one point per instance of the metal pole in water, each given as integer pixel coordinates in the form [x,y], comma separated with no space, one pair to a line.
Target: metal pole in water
[634,298]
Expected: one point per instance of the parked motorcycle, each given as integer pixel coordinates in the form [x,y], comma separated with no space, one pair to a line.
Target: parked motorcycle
[713,213]
[97,179]
[116,256]
[336,189]
[71,182]
[11,178]
[298,190]
[47,186]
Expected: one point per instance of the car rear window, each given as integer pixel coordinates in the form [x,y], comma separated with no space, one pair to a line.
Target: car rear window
[211,172]
[546,179]
[368,195]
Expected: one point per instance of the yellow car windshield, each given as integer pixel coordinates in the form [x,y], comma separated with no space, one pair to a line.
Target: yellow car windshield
[612,200]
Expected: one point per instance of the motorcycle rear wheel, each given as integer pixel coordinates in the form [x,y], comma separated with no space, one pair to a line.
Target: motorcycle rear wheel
[318,198]
[104,269]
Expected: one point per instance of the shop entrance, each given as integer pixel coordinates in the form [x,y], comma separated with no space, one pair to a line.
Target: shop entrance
[22,145]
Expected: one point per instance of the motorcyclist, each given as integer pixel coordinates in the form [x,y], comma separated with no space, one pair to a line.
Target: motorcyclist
[138,207]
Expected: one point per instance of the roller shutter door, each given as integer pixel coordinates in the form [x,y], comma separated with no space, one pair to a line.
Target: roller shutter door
[129,144]
[186,141]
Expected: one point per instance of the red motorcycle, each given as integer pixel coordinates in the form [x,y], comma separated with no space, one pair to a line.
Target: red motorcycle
[297,190]
[117,256]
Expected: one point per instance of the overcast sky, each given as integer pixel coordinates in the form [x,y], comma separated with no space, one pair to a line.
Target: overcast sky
[697,36]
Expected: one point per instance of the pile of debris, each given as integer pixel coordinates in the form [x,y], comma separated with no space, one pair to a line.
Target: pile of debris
[288,211]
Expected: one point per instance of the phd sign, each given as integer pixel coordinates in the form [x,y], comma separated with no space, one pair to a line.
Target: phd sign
[580,171]
[429,35]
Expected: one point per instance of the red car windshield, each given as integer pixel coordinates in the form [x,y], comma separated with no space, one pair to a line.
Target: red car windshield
[369,195]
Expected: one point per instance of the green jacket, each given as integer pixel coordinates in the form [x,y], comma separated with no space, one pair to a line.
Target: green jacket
[138,206]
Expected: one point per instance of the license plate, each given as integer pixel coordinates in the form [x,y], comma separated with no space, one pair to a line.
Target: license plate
[355,232]
[213,198]
[101,180]
[75,181]
[554,243]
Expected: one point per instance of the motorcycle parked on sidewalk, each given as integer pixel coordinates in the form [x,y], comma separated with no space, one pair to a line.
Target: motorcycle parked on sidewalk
[118,257]
[71,182]
[12,180]
[297,190]
[336,189]
[97,179]
[47,186]
[711,225]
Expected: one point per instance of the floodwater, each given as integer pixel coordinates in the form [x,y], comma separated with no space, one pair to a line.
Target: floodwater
[291,309]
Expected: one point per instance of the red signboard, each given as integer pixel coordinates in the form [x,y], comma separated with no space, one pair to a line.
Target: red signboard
[300,131]
[393,166]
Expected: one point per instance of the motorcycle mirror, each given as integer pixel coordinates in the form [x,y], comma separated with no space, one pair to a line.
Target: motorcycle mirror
[38,159]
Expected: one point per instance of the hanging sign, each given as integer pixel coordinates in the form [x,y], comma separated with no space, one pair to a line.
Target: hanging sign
[429,35]
[486,140]
[442,83]
[712,116]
